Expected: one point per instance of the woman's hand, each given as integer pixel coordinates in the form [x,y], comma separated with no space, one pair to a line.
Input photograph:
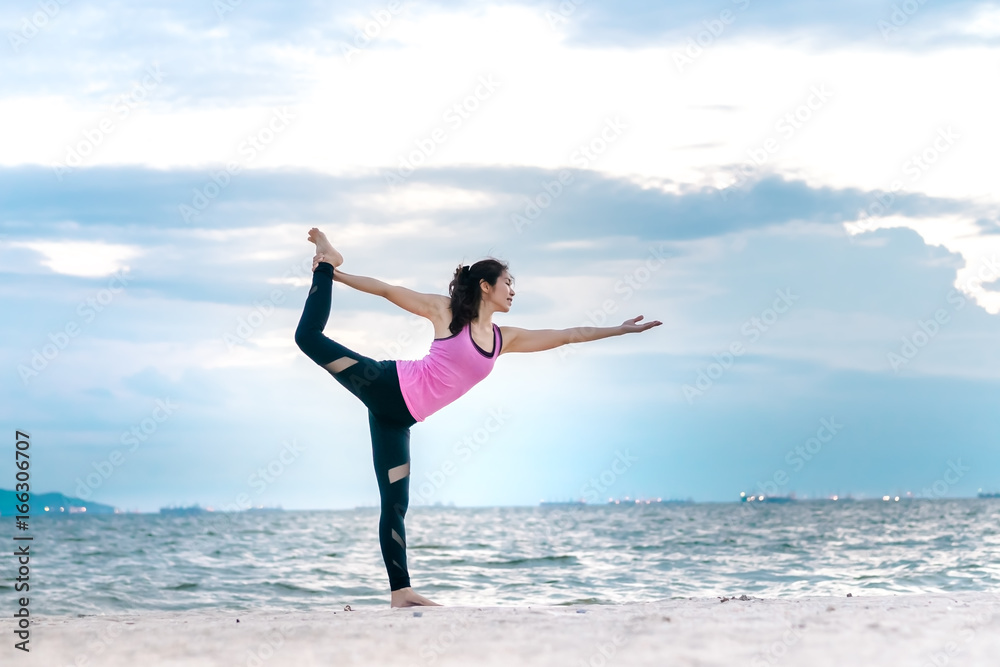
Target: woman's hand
[319,257]
[632,326]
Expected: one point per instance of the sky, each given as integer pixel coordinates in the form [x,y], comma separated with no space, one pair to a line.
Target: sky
[802,192]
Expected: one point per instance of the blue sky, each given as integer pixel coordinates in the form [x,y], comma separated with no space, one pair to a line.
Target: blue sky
[803,193]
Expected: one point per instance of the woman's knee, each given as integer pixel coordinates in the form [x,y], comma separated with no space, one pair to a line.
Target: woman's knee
[318,347]
[396,507]
[340,365]
[307,340]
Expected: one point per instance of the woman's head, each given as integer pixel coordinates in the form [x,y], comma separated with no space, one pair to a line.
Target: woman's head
[486,283]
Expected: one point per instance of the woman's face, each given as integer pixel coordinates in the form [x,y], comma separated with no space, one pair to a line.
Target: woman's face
[501,295]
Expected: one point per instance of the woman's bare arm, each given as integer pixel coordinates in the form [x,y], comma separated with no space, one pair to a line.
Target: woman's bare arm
[361,283]
[538,340]
[418,303]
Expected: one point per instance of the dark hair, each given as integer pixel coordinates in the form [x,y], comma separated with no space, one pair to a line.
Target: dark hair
[466,293]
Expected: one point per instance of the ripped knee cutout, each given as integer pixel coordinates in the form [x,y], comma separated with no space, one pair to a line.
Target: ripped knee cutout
[340,364]
[399,472]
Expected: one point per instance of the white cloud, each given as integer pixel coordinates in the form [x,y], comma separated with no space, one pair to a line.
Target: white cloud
[424,197]
[551,98]
[742,101]
[82,258]
[984,23]
[959,235]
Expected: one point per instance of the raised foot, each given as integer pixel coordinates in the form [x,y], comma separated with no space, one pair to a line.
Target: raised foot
[406,597]
[325,252]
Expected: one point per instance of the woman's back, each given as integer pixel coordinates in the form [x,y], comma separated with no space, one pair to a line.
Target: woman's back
[452,366]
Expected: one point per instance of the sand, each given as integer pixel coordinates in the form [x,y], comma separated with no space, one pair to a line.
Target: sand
[917,630]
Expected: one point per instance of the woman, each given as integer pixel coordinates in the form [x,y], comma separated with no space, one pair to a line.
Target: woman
[400,393]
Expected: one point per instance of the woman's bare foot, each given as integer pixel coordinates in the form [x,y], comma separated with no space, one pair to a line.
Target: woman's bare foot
[405,597]
[325,249]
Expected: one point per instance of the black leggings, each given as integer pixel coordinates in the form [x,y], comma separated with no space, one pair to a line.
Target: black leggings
[377,385]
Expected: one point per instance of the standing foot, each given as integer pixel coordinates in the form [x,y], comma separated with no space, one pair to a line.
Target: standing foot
[405,597]
[324,249]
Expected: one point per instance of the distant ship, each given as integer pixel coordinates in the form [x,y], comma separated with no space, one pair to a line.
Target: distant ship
[744,498]
[614,501]
[988,495]
[647,501]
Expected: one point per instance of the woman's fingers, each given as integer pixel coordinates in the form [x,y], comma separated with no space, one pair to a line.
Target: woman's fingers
[633,324]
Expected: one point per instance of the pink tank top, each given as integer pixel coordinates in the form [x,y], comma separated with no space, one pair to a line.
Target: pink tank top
[451,368]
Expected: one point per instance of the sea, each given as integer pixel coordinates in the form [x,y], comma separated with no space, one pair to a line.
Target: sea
[511,556]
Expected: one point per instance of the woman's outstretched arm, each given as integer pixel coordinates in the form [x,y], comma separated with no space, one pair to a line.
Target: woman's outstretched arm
[418,303]
[537,340]
[361,283]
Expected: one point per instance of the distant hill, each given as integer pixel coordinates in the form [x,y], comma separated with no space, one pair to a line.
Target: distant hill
[56,502]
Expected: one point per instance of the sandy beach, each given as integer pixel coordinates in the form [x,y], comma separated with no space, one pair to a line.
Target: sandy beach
[918,630]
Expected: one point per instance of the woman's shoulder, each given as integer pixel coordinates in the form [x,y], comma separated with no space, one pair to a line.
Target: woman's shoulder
[442,318]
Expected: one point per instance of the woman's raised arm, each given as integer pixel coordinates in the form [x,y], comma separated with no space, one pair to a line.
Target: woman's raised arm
[361,283]
[418,303]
